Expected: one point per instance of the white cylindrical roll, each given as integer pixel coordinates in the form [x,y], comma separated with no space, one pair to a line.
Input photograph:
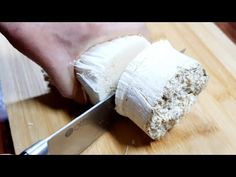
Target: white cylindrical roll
[100,67]
[158,87]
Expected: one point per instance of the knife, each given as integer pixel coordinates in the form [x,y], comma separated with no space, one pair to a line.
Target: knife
[77,135]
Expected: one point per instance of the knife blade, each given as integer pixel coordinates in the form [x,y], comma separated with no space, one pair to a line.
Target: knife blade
[81,132]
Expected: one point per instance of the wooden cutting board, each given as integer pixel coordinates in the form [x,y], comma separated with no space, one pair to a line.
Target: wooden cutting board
[210,128]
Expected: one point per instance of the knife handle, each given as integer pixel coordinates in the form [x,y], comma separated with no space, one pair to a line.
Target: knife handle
[39,148]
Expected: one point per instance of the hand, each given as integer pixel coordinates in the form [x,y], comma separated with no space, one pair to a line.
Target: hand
[54,46]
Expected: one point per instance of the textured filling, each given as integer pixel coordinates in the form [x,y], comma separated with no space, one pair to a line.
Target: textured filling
[178,96]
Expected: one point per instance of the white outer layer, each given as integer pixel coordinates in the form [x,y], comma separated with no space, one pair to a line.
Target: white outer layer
[100,67]
[142,83]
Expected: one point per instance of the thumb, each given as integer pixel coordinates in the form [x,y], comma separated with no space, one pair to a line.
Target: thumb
[62,76]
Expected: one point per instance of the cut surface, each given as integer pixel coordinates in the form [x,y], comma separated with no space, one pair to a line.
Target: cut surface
[178,96]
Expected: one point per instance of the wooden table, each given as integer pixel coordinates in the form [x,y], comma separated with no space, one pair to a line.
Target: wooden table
[210,128]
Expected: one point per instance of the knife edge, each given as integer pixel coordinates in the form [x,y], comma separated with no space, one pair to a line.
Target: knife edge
[84,130]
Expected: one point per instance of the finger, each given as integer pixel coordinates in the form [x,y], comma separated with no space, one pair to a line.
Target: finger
[61,72]
[66,83]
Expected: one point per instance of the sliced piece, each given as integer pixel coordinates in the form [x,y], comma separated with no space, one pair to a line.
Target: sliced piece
[158,87]
[100,67]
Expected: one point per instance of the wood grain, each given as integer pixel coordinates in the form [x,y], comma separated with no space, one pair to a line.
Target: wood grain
[210,128]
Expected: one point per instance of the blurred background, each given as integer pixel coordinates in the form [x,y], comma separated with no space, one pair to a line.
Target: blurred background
[229,29]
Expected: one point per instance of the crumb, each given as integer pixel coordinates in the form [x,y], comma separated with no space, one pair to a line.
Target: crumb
[30,124]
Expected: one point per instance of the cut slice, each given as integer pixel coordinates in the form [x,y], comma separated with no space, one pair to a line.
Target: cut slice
[100,67]
[158,87]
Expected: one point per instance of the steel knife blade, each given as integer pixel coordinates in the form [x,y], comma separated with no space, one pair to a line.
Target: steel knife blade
[81,132]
